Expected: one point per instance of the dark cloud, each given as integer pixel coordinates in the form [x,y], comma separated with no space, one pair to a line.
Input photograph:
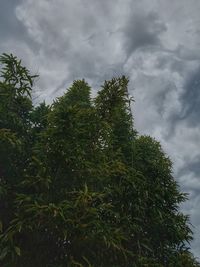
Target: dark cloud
[142,31]
[11,28]
[191,168]
[188,54]
[190,100]
[190,103]
[8,21]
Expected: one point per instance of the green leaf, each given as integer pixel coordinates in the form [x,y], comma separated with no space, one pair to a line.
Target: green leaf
[18,251]
[4,253]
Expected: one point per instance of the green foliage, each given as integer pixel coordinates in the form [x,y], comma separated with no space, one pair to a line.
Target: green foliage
[79,186]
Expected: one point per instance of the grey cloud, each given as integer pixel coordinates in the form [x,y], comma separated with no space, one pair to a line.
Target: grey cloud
[190,102]
[188,54]
[12,30]
[190,170]
[8,21]
[143,30]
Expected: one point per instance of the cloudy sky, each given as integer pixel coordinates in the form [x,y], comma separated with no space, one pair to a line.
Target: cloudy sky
[156,43]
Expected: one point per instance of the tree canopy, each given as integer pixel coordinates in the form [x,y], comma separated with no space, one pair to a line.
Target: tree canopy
[79,186]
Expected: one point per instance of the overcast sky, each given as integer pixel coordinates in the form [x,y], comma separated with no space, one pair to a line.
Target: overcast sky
[155,42]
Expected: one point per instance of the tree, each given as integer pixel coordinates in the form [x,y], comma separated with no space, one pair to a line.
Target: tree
[79,186]
[15,125]
[165,226]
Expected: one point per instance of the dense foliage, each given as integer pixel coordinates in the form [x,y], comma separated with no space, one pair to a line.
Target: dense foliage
[79,186]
